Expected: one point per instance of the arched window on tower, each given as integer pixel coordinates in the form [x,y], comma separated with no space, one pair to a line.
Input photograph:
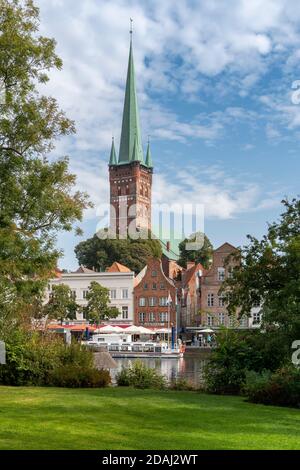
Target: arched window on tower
[141,191]
[127,190]
[119,191]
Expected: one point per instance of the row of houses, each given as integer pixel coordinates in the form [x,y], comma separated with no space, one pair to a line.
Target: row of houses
[164,294]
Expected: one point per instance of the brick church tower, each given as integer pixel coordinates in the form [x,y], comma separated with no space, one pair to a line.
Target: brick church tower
[130,175]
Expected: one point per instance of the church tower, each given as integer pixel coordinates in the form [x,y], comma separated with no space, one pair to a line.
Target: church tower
[130,175]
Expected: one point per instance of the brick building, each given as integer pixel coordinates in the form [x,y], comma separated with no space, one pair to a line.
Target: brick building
[130,175]
[213,309]
[151,293]
[190,299]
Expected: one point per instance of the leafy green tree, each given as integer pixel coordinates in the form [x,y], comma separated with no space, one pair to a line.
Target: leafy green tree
[202,255]
[62,305]
[98,308]
[100,254]
[36,196]
[268,273]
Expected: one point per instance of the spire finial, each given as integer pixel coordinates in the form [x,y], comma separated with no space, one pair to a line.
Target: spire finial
[131,28]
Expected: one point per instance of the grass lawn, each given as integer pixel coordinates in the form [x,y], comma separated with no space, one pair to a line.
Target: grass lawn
[121,418]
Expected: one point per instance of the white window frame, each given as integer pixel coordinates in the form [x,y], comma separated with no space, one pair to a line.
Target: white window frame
[142,317]
[152,301]
[142,302]
[113,294]
[256,318]
[221,274]
[125,294]
[210,300]
[151,317]
[125,309]
[163,317]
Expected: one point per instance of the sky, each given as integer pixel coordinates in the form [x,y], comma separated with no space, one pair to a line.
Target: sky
[218,96]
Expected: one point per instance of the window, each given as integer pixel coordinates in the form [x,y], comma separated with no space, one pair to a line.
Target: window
[230,273]
[222,301]
[154,286]
[124,293]
[154,273]
[210,320]
[151,317]
[125,313]
[222,318]
[232,321]
[163,317]
[142,317]
[256,318]
[146,286]
[113,294]
[142,302]
[256,304]
[84,294]
[210,300]
[162,286]
[163,301]
[152,301]
[243,321]
[73,294]
[221,274]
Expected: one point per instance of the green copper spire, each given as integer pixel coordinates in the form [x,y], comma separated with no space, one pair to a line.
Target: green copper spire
[149,162]
[135,155]
[131,123]
[113,156]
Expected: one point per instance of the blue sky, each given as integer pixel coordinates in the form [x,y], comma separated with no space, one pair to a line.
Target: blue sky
[214,84]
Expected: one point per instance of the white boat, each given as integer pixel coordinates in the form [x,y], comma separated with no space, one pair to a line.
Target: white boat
[136,349]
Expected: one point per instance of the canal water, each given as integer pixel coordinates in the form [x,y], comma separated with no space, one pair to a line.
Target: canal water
[189,367]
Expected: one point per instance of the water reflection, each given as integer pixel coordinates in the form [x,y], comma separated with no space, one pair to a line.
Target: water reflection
[188,367]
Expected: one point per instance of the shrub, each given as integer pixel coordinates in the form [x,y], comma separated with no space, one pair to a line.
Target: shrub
[281,388]
[140,376]
[238,352]
[181,384]
[43,359]
[75,376]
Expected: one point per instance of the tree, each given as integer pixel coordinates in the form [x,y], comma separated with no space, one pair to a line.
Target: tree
[98,309]
[202,255]
[100,254]
[269,274]
[62,305]
[36,196]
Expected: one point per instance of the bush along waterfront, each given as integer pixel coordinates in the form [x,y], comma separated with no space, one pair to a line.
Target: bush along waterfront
[44,360]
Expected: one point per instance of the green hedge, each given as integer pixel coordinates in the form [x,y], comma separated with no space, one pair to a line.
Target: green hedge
[140,376]
[42,359]
[281,388]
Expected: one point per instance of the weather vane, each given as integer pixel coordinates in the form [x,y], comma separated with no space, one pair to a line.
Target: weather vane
[131,26]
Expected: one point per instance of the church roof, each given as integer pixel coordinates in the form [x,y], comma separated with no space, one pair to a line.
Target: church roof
[113,156]
[118,268]
[131,141]
[149,163]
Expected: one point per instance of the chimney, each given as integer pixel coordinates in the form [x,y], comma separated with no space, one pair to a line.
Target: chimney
[168,246]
